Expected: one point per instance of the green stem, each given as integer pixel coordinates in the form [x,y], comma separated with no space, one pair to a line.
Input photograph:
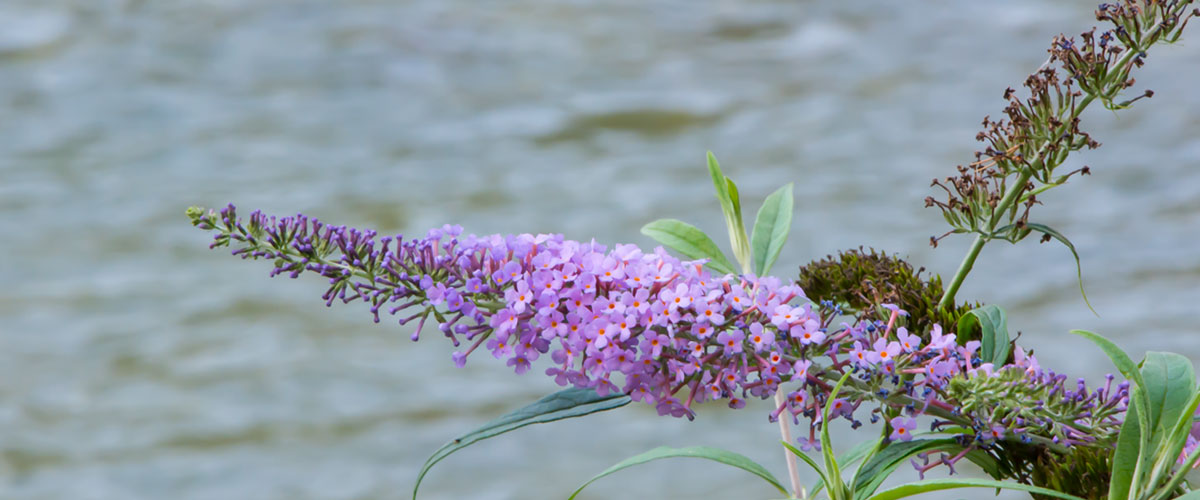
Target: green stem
[1015,190]
[1010,197]
[963,269]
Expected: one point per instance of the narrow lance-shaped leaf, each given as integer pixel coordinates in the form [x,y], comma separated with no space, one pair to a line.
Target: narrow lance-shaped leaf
[567,403]
[836,486]
[812,464]
[715,454]
[1138,402]
[879,467]
[861,450]
[771,228]
[719,183]
[731,206]
[1123,363]
[689,241]
[1125,458]
[737,228]
[913,489]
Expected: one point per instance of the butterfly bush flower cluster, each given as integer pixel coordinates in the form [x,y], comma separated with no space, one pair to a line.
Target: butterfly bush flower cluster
[671,334]
[646,324]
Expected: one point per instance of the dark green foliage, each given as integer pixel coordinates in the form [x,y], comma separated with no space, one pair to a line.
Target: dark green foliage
[1084,472]
[859,279]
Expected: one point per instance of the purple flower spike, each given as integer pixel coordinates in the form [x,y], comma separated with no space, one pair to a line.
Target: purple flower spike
[669,334]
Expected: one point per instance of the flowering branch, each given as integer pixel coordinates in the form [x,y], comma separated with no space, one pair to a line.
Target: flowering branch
[670,334]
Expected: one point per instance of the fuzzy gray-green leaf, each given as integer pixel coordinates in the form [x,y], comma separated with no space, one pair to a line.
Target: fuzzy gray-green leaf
[1170,383]
[993,326]
[771,228]
[689,241]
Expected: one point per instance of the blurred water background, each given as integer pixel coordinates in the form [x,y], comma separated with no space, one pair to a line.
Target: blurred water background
[137,364]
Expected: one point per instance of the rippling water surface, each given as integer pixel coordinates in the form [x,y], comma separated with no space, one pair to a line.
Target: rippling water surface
[136,364]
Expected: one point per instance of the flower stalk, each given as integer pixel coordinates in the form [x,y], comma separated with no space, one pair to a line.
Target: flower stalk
[1041,131]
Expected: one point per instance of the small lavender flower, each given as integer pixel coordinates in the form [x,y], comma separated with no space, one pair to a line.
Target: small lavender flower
[902,428]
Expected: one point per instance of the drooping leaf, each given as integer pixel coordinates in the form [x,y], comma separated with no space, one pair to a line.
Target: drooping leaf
[567,403]
[992,323]
[689,241]
[874,471]
[715,454]
[1078,266]
[911,489]
[771,228]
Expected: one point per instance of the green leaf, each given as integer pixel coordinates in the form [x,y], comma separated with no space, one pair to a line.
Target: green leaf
[1170,383]
[1191,495]
[986,462]
[1178,440]
[567,403]
[910,489]
[689,241]
[720,184]
[771,228]
[879,467]
[731,206]
[1126,483]
[736,228]
[1078,266]
[993,326]
[1123,363]
[858,452]
[735,200]
[811,463]
[1170,386]
[715,454]
[837,491]
[1125,459]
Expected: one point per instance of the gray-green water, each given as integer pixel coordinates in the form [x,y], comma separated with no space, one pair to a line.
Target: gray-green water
[136,364]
